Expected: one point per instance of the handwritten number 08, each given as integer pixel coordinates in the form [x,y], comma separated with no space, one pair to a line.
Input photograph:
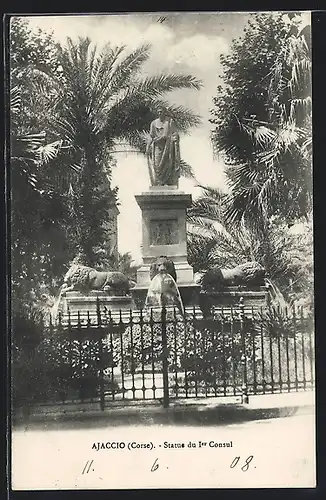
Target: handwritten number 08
[245,467]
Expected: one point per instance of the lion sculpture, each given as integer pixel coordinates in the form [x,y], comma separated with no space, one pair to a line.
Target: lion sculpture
[162,265]
[83,278]
[248,274]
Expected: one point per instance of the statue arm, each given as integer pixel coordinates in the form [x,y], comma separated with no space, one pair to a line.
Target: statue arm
[151,137]
[174,131]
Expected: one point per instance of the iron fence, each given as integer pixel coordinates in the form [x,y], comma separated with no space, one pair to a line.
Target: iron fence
[160,355]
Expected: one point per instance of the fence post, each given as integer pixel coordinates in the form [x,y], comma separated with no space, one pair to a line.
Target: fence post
[165,360]
[100,339]
[244,387]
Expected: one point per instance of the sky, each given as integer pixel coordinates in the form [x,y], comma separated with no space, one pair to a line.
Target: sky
[183,43]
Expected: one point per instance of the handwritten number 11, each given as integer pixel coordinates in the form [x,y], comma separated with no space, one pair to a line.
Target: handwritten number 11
[245,467]
[87,467]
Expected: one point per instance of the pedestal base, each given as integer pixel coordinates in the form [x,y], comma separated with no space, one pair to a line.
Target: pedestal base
[230,297]
[184,272]
[86,305]
[189,295]
[164,232]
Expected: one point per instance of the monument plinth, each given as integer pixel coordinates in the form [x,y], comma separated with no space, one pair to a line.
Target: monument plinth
[83,306]
[164,231]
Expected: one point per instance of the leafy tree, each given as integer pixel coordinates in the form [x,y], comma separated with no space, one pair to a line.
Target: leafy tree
[262,118]
[33,98]
[38,205]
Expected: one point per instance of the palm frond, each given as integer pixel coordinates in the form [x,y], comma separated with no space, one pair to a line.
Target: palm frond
[155,86]
[204,207]
[27,142]
[213,193]
[136,139]
[134,112]
[113,75]
[307,143]
[201,252]
[262,135]
[186,170]
[50,151]
[128,66]
[15,100]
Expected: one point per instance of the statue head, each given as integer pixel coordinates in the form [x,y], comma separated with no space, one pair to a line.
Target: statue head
[162,113]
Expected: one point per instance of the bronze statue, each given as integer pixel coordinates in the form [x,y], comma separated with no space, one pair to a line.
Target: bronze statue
[163,153]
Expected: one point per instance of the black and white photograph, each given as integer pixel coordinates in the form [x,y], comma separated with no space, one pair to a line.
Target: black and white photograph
[161,251]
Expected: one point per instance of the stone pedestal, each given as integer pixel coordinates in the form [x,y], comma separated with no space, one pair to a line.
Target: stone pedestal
[230,297]
[86,305]
[164,231]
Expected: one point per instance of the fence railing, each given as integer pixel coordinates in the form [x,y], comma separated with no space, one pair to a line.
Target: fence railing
[158,354]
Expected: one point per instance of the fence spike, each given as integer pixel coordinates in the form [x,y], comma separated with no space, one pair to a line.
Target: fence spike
[98,311]
[241,307]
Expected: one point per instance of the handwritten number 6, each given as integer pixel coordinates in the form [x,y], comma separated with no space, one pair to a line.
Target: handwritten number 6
[155,466]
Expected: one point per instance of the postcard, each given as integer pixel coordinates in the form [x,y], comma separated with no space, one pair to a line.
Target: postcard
[162,308]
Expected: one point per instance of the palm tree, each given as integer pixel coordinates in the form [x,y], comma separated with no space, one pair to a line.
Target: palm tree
[223,243]
[214,240]
[105,101]
[276,177]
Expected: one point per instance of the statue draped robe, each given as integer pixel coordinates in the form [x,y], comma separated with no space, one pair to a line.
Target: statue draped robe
[163,155]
